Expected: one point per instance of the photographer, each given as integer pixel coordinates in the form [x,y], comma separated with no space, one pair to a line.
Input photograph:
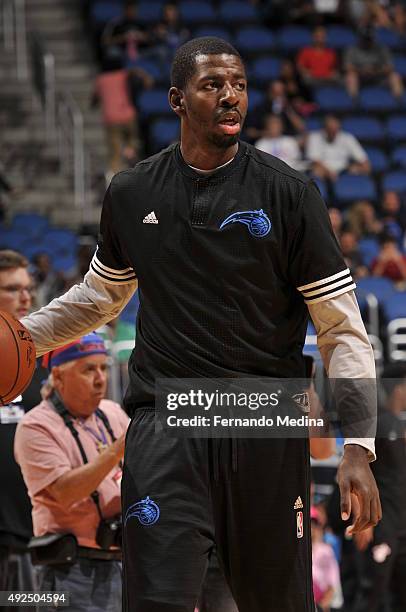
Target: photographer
[70,448]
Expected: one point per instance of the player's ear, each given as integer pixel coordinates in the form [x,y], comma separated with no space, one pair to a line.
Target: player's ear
[175,97]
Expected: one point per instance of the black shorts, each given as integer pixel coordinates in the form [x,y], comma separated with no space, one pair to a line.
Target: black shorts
[250,497]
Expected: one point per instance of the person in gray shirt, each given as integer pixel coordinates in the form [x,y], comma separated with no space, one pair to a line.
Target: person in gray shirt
[369,63]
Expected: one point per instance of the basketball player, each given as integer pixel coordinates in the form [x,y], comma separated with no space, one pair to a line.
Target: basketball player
[231,249]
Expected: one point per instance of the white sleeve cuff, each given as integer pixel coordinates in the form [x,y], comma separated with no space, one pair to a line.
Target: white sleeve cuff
[368,443]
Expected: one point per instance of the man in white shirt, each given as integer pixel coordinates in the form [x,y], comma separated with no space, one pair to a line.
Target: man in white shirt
[333,151]
[281,146]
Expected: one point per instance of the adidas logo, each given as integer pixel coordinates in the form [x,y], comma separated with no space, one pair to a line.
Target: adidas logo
[298,504]
[151,218]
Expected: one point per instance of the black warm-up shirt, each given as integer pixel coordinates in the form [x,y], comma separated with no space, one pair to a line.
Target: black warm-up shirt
[226,265]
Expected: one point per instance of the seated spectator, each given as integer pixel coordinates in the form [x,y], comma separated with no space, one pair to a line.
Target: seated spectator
[351,254]
[276,143]
[362,220]
[369,63]
[276,103]
[125,37]
[170,32]
[393,215]
[399,18]
[70,446]
[318,63]
[390,263]
[297,91]
[333,151]
[326,573]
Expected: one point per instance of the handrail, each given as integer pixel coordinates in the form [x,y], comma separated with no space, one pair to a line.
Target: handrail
[71,145]
[43,76]
[15,34]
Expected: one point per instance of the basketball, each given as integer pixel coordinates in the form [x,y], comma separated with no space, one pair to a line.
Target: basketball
[17,358]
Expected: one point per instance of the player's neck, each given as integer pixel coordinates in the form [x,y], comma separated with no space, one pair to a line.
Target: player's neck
[208,160]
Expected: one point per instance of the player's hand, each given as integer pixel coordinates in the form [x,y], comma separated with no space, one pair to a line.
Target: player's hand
[362,539]
[354,476]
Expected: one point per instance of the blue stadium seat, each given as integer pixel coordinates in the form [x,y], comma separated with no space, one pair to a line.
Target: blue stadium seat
[195,12]
[213,31]
[399,62]
[394,306]
[237,11]
[382,288]
[322,187]
[266,68]
[314,123]
[103,11]
[67,264]
[61,240]
[154,102]
[377,99]
[150,12]
[378,159]
[254,40]
[396,127]
[163,132]
[339,37]
[256,97]
[333,99]
[129,313]
[364,128]
[369,249]
[398,156]
[149,65]
[389,38]
[292,38]
[394,181]
[32,223]
[349,187]
[13,239]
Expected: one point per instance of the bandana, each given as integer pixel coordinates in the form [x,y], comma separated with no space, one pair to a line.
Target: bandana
[92,344]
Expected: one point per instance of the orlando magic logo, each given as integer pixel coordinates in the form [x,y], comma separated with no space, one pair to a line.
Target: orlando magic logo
[258,222]
[146,511]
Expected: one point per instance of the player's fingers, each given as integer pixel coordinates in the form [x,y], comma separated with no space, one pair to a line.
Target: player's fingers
[375,510]
[364,519]
[345,501]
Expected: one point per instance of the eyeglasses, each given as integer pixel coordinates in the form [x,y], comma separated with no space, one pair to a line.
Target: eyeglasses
[18,289]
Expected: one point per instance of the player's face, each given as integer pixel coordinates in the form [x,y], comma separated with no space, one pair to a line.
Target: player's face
[215,100]
[15,292]
[83,385]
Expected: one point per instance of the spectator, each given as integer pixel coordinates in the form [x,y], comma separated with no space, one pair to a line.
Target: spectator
[384,547]
[336,219]
[333,151]
[48,283]
[170,32]
[369,63]
[390,263]
[326,574]
[362,220]
[16,572]
[399,18]
[297,91]
[69,448]
[126,37]
[352,256]
[393,215]
[276,103]
[112,90]
[276,143]
[318,63]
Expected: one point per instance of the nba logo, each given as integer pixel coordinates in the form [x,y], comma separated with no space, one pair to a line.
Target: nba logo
[299,524]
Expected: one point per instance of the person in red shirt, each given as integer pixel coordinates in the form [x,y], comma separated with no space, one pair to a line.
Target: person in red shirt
[318,62]
[390,262]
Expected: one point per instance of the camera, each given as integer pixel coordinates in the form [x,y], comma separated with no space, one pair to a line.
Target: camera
[109,533]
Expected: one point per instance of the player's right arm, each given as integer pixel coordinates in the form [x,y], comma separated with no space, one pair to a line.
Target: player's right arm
[104,292]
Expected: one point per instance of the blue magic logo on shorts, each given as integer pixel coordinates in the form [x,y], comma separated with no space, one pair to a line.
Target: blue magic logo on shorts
[258,222]
[146,511]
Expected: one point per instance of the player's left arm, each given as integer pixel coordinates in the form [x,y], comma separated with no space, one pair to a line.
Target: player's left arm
[348,359]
